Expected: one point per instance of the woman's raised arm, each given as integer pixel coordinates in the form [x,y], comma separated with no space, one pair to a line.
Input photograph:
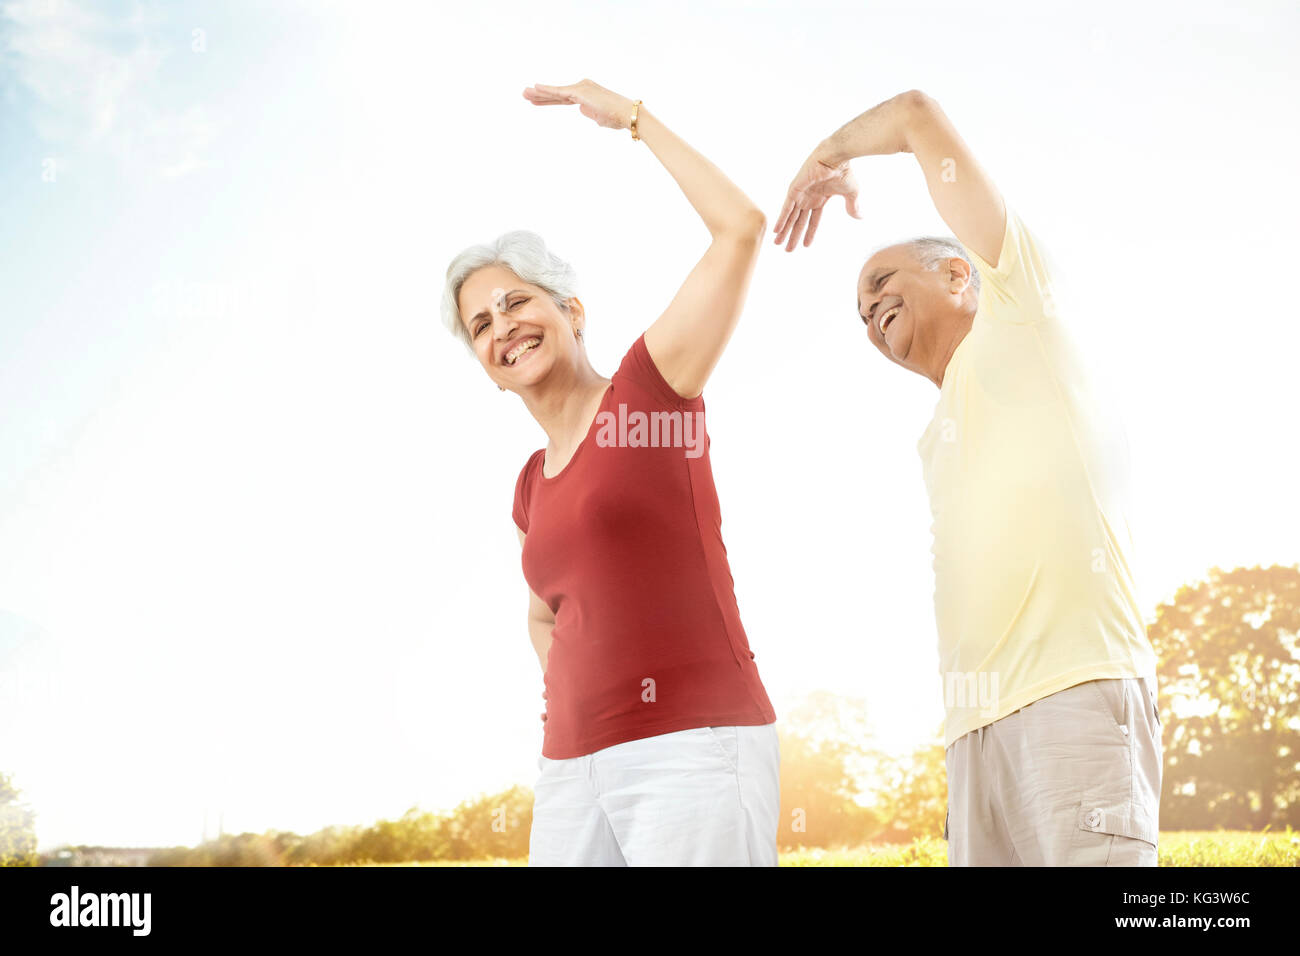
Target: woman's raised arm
[687,340]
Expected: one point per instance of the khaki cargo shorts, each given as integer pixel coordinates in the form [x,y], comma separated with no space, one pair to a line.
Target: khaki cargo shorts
[1072,779]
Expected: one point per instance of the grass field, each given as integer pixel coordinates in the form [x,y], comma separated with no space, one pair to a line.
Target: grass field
[1179,848]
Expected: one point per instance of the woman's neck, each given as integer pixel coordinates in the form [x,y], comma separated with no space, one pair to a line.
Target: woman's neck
[563,404]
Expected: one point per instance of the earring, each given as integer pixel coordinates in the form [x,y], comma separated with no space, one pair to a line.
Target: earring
[502,387]
[578,332]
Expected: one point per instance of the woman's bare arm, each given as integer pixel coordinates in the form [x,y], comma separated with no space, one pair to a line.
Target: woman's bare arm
[540,621]
[687,340]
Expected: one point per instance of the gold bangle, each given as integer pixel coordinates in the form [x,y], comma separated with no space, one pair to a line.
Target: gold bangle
[635,108]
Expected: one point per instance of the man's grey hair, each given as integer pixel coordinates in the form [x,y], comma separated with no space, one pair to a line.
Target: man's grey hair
[523,253]
[932,250]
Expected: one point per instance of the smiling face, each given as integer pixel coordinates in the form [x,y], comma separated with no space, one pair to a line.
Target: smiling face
[518,331]
[913,313]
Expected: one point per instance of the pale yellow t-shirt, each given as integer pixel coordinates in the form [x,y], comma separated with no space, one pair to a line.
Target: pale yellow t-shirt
[1028,483]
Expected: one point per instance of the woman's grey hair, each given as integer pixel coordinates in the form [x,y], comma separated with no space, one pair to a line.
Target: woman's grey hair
[932,250]
[523,253]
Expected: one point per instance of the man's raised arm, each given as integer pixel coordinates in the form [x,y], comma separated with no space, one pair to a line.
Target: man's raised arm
[910,122]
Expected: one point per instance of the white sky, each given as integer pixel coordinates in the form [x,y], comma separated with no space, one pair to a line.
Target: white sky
[256,555]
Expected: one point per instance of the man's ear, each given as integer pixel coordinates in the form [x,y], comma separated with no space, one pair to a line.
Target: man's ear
[959,274]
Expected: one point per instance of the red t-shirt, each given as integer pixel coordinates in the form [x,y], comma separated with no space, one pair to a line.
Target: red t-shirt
[625,547]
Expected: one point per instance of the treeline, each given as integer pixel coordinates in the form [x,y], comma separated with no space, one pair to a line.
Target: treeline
[826,801]
[17,827]
[489,826]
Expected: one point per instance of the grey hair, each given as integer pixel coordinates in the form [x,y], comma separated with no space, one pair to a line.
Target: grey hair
[523,253]
[932,250]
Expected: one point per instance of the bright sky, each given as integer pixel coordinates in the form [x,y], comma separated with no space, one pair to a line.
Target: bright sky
[256,554]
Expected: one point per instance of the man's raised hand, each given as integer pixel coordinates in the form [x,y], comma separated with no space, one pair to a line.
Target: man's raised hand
[816,182]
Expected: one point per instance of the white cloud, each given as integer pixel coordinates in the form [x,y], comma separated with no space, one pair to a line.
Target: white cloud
[94,83]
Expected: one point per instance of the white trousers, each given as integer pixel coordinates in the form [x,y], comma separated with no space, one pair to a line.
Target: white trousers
[708,796]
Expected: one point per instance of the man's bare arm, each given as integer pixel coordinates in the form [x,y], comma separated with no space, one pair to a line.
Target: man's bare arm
[912,122]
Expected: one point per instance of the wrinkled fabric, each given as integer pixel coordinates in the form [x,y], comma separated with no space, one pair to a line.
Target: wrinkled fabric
[707,796]
[1073,779]
[1027,470]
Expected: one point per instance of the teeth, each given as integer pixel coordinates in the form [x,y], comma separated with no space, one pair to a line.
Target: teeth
[889,317]
[520,349]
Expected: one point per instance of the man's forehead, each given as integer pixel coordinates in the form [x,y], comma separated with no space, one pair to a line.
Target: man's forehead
[888,258]
[881,262]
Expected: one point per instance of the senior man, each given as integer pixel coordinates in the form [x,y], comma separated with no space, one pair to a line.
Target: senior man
[1051,729]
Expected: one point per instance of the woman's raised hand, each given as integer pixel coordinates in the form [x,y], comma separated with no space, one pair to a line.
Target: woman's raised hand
[604,106]
[815,183]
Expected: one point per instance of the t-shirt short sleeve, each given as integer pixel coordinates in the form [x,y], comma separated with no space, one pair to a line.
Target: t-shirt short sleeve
[1019,288]
[640,368]
[523,491]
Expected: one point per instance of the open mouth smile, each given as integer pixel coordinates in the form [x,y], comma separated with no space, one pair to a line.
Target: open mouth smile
[888,317]
[521,349]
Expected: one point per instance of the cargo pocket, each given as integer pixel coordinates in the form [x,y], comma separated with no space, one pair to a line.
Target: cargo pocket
[1113,835]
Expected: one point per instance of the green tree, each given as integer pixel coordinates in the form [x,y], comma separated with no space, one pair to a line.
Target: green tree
[415,836]
[825,756]
[496,825]
[17,827]
[328,846]
[913,795]
[1230,685]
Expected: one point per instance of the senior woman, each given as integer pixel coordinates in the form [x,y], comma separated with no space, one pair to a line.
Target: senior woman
[659,743]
